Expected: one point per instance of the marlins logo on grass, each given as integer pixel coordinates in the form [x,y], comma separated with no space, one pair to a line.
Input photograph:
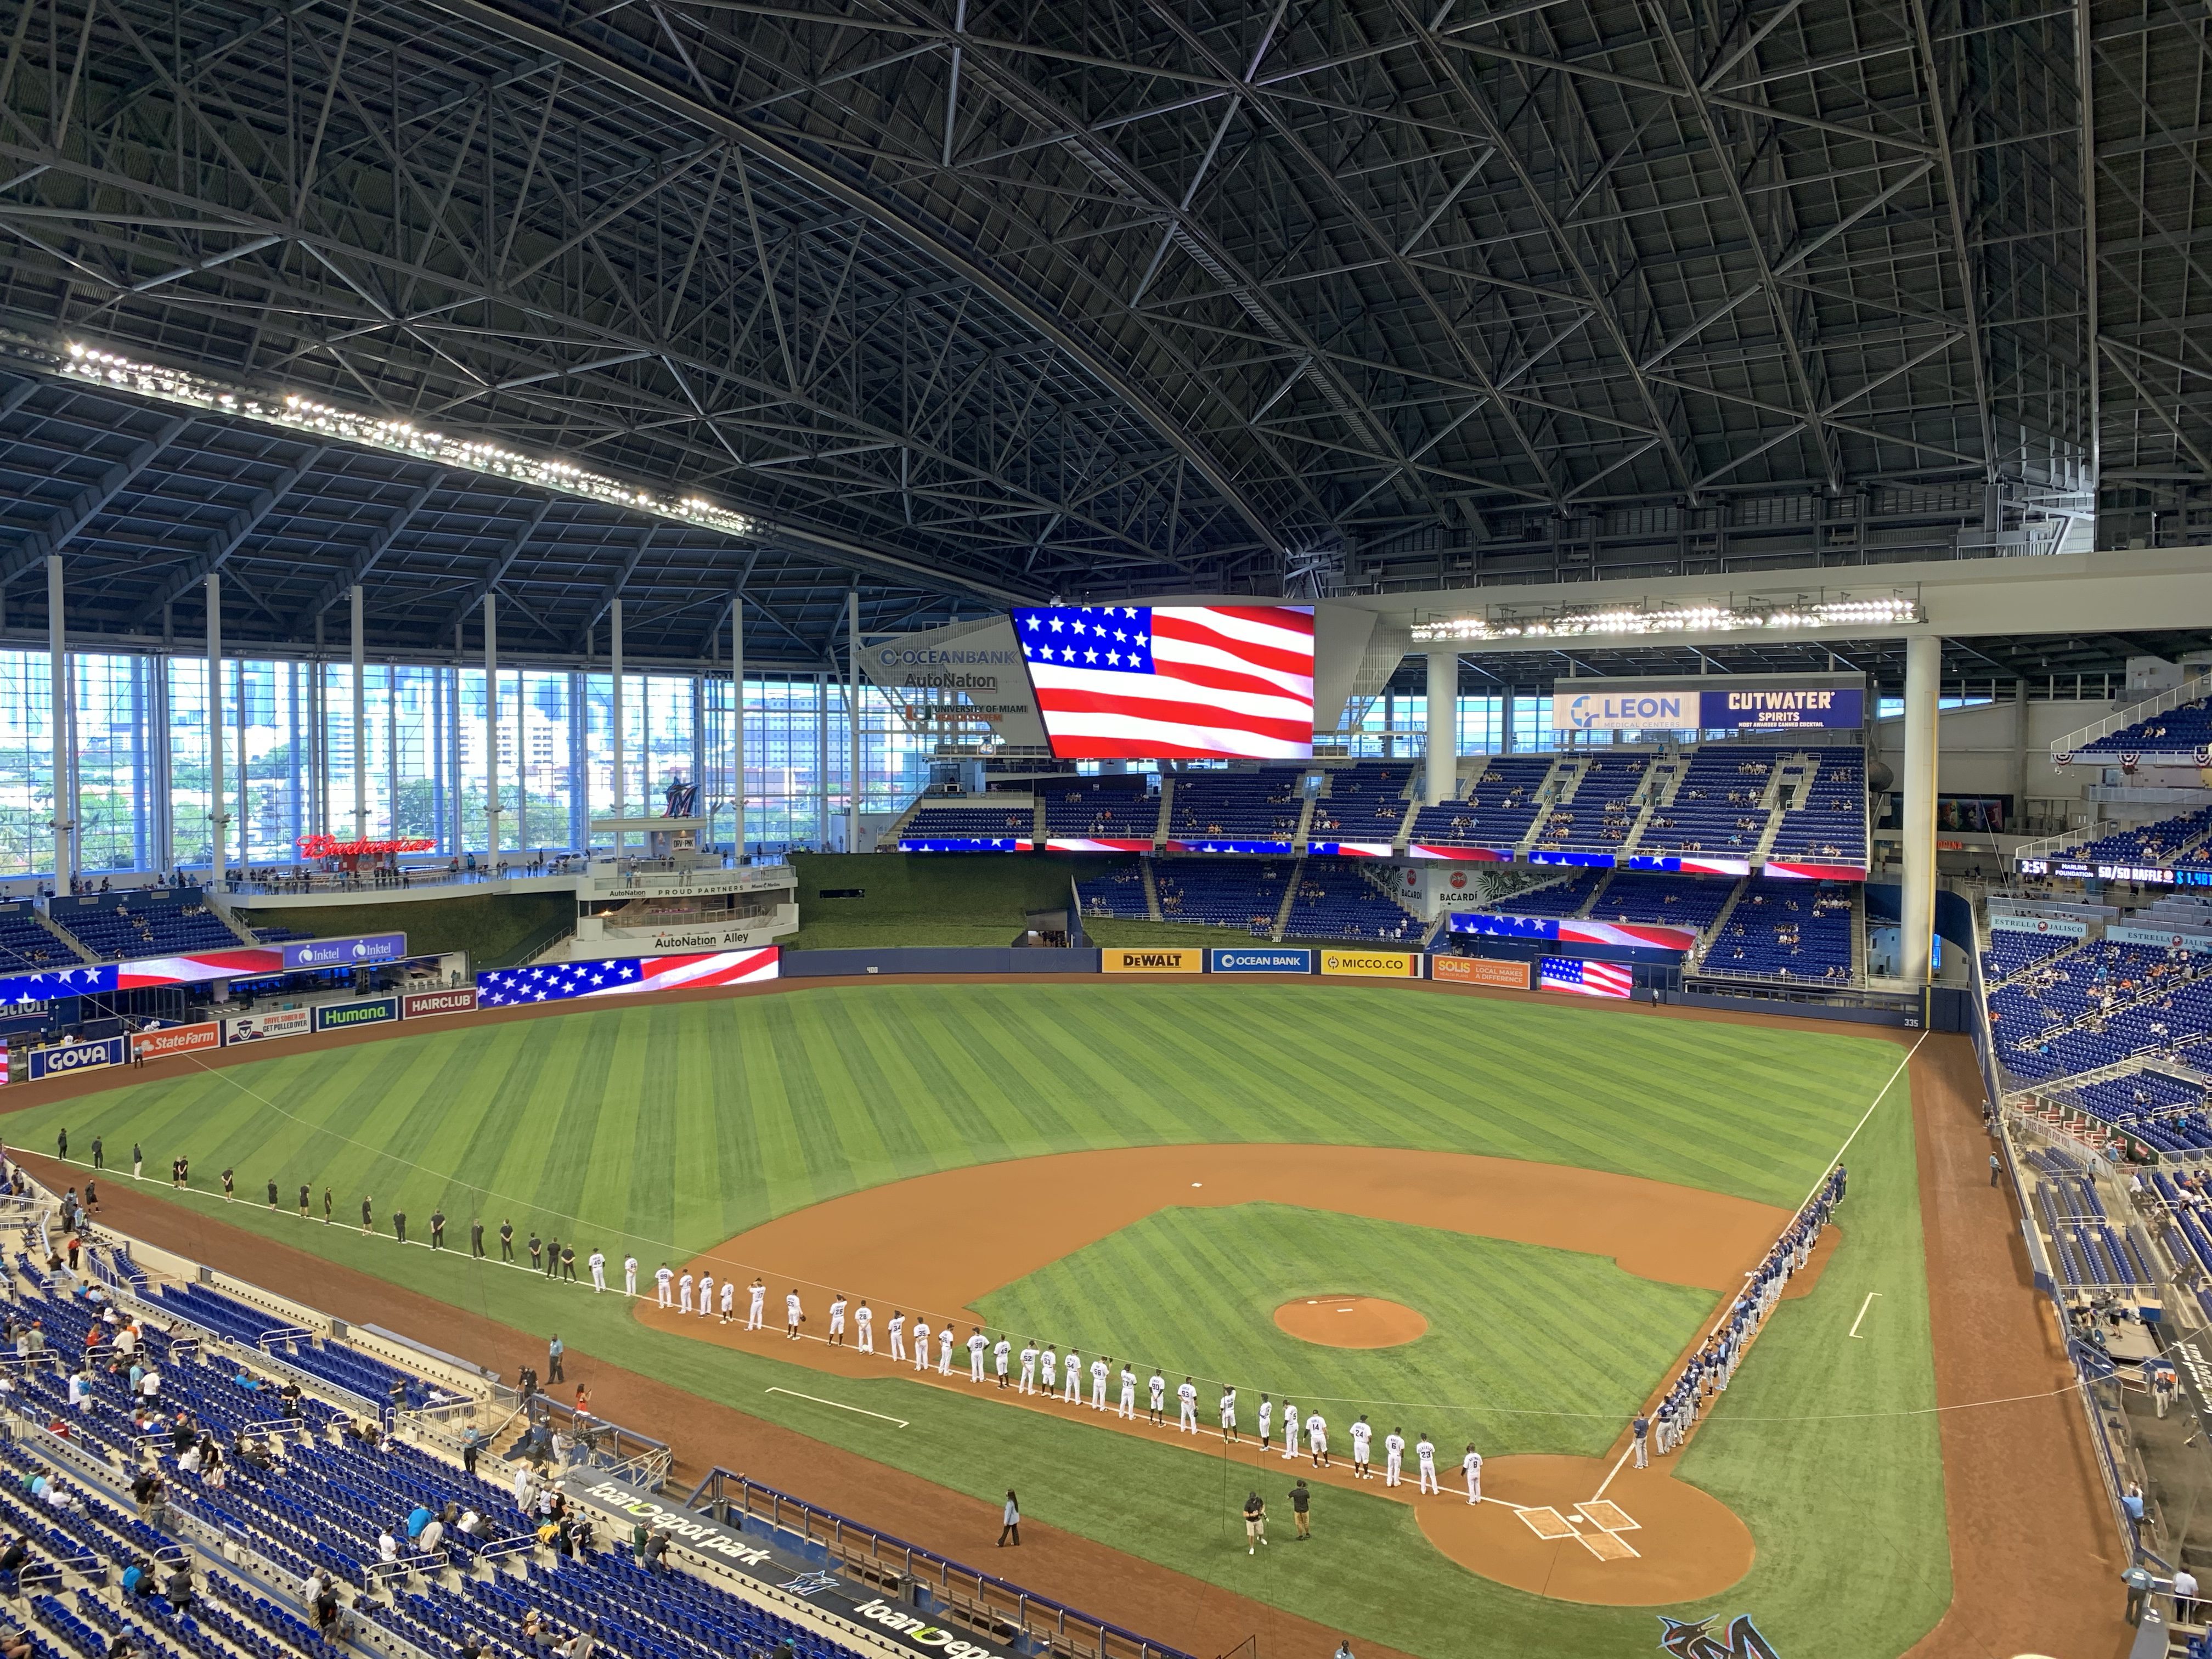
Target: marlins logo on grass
[1695,1640]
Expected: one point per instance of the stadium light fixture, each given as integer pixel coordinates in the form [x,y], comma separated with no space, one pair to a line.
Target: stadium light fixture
[294,413]
[1801,614]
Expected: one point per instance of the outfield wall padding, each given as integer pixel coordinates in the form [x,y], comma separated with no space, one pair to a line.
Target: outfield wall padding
[939,959]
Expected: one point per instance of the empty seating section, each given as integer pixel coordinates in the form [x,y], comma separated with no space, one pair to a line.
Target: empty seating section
[27,945]
[1788,931]
[1670,901]
[1118,808]
[155,922]
[2189,726]
[1117,893]
[1715,807]
[1236,805]
[1366,802]
[346,1368]
[2011,951]
[2101,1005]
[971,822]
[1830,828]
[1222,892]
[1336,900]
[2165,1112]
[1558,898]
[2161,843]
[2092,1251]
[1498,810]
[1599,817]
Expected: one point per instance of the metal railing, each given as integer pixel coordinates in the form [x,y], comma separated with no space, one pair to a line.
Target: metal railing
[2189,690]
[980,1600]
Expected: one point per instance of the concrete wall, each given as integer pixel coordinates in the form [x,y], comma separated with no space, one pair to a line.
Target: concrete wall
[1982,752]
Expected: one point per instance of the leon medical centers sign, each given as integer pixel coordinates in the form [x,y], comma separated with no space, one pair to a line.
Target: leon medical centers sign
[1751,702]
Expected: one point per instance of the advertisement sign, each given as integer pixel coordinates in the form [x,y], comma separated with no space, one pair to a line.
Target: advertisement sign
[420,1004]
[2165,941]
[176,1040]
[1372,964]
[254,1028]
[1192,961]
[1626,711]
[1769,709]
[344,952]
[1480,970]
[965,681]
[344,1016]
[51,983]
[1275,959]
[67,1057]
[2061,927]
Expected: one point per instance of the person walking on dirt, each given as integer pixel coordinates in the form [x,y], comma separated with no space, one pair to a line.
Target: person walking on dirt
[1996,1170]
[1011,1528]
[553,1352]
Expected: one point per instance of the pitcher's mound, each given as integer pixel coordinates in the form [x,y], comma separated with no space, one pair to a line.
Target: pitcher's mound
[1350,1322]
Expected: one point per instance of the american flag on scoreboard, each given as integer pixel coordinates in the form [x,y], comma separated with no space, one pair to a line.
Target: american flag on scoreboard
[1583,978]
[1194,682]
[558,981]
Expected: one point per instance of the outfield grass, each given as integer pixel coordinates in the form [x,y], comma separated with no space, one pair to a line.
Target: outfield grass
[1207,1281]
[677,1126]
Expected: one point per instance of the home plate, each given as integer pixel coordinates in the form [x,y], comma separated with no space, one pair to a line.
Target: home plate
[1604,1512]
[1549,1524]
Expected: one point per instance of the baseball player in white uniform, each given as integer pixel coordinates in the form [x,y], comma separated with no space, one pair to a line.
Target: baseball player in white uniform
[1362,1436]
[683,1294]
[1127,1410]
[1187,1394]
[758,1291]
[793,1318]
[976,1343]
[898,1335]
[1473,1464]
[629,1275]
[838,1319]
[865,1318]
[598,1263]
[1028,1384]
[729,1302]
[663,1279]
[1290,1431]
[1099,1368]
[944,1349]
[999,1353]
[1317,1439]
[1267,1417]
[1228,1417]
[1393,1457]
[921,1343]
[706,1294]
[1051,1369]
[1158,1396]
[1072,1369]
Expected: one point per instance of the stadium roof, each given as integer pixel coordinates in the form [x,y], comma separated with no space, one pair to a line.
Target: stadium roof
[962,303]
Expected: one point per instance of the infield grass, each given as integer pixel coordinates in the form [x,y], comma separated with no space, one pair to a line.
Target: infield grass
[675,1127]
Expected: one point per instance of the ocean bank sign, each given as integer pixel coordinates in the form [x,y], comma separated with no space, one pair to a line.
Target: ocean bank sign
[1278,961]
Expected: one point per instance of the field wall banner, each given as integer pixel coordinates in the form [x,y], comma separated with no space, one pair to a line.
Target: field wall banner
[1282,959]
[1372,964]
[52,984]
[2057,927]
[965,681]
[345,1016]
[66,1057]
[559,981]
[1480,970]
[1191,961]
[420,1005]
[176,1040]
[255,1028]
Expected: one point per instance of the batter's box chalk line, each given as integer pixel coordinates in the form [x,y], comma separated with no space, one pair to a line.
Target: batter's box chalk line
[1607,1522]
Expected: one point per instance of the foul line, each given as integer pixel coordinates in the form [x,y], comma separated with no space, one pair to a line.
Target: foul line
[839,1404]
[1863,1306]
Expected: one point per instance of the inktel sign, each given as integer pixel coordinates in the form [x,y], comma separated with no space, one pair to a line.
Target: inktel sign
[345,952]
[77,1057]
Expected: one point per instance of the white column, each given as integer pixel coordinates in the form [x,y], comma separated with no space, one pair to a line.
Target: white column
[1442,743]
[737,720]
[821,763]
[241,818]
[615,660]
[1923,674]
[57,684]
[360,724]
[216,814]
[853,717]
[491,724]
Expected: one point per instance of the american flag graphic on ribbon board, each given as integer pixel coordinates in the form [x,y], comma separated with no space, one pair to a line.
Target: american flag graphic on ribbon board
[559,981]
[1173,683]
[1583,978]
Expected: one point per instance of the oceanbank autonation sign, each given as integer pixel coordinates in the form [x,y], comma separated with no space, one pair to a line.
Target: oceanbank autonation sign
[1747,708]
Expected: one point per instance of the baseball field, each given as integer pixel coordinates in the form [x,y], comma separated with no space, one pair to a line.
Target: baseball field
[1562,1196]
